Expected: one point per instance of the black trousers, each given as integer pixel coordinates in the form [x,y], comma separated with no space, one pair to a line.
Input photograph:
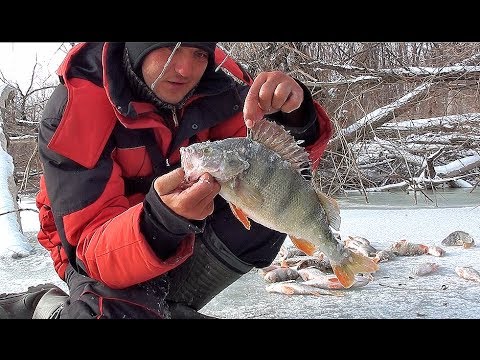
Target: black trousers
[90,299]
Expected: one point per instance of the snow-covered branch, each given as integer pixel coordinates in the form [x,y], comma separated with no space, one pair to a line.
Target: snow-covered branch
[353,74]
[364,127]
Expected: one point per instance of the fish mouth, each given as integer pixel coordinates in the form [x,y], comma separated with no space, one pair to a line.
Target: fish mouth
[188,164]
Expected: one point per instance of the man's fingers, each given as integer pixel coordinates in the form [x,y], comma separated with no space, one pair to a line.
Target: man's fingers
[168,182]
[196,200]
[203,191]
[271,92]
[287,99]
[204,205]
[251,109]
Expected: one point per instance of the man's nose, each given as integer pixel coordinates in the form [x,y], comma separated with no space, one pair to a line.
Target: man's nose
[183,64]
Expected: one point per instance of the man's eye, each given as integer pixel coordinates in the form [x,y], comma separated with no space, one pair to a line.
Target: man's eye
[202,54]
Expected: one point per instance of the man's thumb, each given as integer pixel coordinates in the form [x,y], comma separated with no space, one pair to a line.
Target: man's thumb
[168,182]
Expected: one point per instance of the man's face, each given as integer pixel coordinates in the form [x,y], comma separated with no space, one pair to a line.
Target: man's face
[181,75]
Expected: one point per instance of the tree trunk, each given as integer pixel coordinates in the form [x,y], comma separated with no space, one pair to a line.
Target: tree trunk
[13,243]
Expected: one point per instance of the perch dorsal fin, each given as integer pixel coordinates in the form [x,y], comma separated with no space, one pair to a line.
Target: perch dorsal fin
[276,138]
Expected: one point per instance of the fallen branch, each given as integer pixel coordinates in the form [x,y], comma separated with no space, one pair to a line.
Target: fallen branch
[18,210]
[364,127]
[415,184]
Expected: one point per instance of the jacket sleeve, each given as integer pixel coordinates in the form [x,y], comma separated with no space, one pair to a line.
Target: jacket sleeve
[159,222]
[318,145]
[98,226]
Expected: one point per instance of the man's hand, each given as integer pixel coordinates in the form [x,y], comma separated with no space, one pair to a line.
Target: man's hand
[192,201]
[271,92]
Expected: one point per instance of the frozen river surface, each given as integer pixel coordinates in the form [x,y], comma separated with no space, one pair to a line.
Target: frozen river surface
[392,294]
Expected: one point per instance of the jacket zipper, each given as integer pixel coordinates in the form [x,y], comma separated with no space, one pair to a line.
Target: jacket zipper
[175,123]
[175,119]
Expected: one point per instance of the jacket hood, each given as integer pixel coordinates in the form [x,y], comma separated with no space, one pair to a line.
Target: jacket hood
[138,50]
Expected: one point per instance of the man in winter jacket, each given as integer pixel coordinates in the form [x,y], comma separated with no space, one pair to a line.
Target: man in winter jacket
[124,233]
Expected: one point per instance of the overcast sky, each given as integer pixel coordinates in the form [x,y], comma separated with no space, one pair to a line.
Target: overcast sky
[18,58]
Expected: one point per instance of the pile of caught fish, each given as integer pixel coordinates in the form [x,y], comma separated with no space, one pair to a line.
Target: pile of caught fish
[296,273]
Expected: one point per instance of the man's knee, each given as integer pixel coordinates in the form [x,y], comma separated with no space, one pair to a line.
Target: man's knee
[31,303]
[50,304]
[211,269]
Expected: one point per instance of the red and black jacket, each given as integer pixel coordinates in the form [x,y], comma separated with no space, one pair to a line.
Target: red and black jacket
[101,147]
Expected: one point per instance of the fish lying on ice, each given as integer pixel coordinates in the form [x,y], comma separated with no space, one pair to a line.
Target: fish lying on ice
[459,238]
[406,248]
[310,273]
[317,278]
[331,282]
[361,245]
[436,251]
[424,268]
[300,262]
[468,273]
[261,178]
[281,274]
[298,288]
[384,255]
[289,252]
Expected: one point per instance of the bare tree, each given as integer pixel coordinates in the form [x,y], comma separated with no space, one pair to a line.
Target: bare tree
[367,86]
[21,121]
